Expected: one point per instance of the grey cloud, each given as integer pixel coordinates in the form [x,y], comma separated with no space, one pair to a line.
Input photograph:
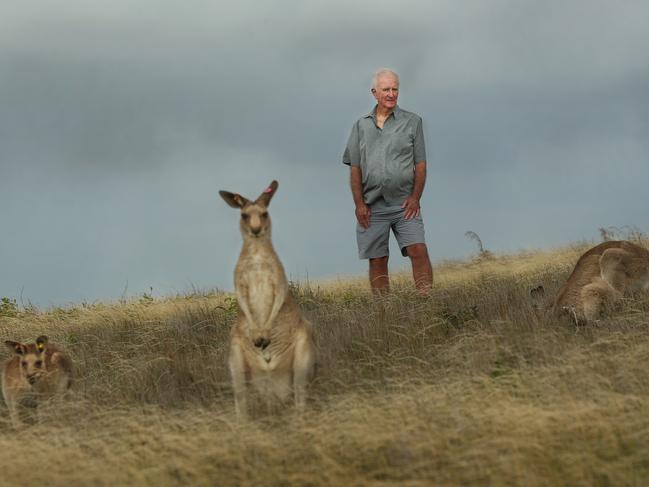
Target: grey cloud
[120,124]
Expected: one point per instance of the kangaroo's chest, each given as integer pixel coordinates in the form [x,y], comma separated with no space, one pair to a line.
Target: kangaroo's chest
[258,286]
[29,399]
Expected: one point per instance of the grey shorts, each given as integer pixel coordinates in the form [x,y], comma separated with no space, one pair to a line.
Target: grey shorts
[373,242]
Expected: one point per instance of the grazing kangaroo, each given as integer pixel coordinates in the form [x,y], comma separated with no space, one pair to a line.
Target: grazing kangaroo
[600,279]
[271,343]
[37,372]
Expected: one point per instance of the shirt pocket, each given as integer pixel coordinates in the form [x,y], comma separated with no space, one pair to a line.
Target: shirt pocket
[402,144]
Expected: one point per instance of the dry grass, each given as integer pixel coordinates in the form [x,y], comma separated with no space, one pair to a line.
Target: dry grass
[470,387]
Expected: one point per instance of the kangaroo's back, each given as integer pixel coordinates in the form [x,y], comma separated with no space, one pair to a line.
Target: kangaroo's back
[586,269]
[625,267]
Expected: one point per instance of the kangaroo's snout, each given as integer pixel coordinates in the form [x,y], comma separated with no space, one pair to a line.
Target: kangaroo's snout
[32,379]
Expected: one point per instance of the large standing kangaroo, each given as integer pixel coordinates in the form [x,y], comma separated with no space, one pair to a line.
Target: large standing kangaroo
[271,343]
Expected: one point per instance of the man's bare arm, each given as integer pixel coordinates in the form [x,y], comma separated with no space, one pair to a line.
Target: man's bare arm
[362,210]
[412,202]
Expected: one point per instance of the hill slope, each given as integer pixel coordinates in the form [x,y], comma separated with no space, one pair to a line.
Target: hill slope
[471,386]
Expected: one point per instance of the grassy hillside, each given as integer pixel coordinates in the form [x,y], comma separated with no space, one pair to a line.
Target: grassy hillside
[469,387]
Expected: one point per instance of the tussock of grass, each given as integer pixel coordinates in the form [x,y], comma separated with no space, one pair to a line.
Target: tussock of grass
[471,386]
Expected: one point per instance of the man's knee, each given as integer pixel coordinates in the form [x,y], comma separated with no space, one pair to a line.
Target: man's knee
[417,251]
[379,262]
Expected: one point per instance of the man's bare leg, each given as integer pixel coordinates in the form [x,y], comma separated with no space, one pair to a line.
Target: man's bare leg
[379,279]
[422,270]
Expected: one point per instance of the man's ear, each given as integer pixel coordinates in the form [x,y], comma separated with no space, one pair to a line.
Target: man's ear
[235,200]
[17,348]
[41,341]
[267,195]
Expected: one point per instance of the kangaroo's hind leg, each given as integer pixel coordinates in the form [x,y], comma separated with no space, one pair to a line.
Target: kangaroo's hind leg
[238,369]
[14,413]
[598,297]
[303,367]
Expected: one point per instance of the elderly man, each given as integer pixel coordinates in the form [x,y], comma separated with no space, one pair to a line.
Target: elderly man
[387,159]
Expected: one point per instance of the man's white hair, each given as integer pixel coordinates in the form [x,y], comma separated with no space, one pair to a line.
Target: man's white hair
[382,72]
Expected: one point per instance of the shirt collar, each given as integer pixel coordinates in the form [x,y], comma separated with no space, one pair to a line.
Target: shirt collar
[396,112]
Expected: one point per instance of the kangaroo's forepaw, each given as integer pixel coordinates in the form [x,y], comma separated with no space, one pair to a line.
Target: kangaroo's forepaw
[261,342]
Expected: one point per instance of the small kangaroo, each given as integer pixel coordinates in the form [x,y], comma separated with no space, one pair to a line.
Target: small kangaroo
[271,343]
[37,372]
[601,277]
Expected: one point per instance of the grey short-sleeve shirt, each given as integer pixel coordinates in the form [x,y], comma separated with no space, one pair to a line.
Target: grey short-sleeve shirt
[386,156]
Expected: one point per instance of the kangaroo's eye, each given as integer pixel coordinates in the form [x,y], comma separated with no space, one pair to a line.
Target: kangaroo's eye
[264,214]
[23,363]
[38,363]
[245,216]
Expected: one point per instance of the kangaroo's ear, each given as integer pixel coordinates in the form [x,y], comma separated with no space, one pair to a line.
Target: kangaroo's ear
[266,196]
[538,292]
[41,341]
[18,348]
[235,200]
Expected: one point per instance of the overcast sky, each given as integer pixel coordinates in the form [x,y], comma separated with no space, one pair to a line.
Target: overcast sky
[121,120]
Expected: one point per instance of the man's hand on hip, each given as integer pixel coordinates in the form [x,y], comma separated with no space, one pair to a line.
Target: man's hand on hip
[363,215]
[412,207]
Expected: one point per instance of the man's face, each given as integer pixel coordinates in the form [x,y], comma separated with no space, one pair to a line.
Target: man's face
[386,91]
